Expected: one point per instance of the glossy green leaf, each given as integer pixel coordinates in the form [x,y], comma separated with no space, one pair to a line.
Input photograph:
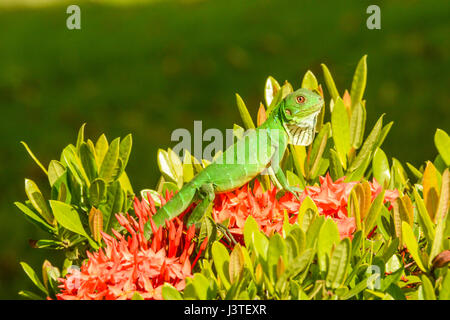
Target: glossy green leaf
[34,157]
[328,237]
[108,167]
[270,90]
[307,213]
[35,218]
[442,217]
[38,201]
[88,161]
[442,142]
[309,81]
[359,81]
[424,218]
[153,194]
[33,276]
[245,115]
[68,217]
[55,171]
[374,212]
[330,82]
[101,148]
[236,266]
[380,166]
[317,151]
[368,146]
[221,260]
[341,131]
[336,169]
[277,249]
[125,149]
[97,192]
[411,243]
[426,290]
[339,264]
[357,125]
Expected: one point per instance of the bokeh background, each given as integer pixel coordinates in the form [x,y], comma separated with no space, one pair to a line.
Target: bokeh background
[149,67]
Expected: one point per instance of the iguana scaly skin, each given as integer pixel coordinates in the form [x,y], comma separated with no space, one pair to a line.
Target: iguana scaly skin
[293,121]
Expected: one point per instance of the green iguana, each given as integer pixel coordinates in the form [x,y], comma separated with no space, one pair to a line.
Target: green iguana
[293,121]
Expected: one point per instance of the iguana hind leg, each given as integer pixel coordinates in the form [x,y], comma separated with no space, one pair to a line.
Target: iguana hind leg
[207,196]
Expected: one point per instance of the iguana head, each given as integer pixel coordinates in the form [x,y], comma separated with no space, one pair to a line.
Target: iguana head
[299,111]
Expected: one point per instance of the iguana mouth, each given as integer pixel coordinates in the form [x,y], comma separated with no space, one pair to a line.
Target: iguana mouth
[302,133]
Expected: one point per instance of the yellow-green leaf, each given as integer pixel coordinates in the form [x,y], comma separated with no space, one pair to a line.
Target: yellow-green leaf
[359,81]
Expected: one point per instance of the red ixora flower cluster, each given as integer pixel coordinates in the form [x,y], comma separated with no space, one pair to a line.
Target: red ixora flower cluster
[330,197]
[130,264]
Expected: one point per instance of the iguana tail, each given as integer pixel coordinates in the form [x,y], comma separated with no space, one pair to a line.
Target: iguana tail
[176,205]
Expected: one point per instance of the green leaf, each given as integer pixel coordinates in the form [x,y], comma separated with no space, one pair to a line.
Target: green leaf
[339,264]
[125,149]
[221,260]
[107,169]
[236,266]
[101,148]
[97,192]
[137,296]
[80,137]
[277,249]
[361,286]
[33,276]
[188,167]
[442,142]
[336,170]
[328,237]
[201,284]
[177,166]
[309,81]
[270,90]
[34,218]
[444,293]
[88,161]
[55,171]
[384,133]
[165,166]
[34,157]
[341,131]
[250,227]
[170,293]
[38,201]
[414,171]
[114,203]
[70,159]
[68,217]
[317,151]
[427,289]
[307,213]
[357,125]
[442,216]
[411,243]
[30,295]
[380,166]
[359,81]
[330,83]
[245,115]
[153,194]
[374,211]
[96,223]
[368,147]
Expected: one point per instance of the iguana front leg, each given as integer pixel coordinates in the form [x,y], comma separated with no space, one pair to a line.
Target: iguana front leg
[284,183]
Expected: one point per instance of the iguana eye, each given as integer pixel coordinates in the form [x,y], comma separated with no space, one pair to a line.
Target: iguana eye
[301,99]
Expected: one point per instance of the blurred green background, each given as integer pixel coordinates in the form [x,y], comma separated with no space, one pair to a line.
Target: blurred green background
[149,67]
